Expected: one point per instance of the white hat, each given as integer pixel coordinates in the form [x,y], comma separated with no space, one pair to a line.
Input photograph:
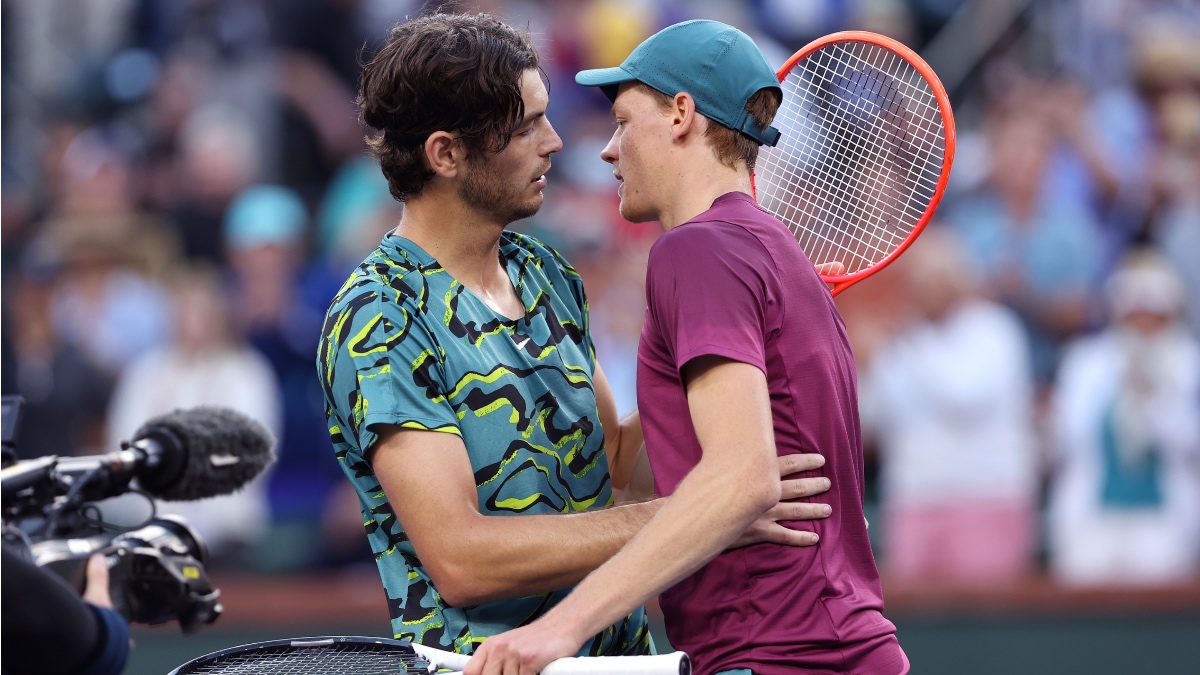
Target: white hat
[1145,282]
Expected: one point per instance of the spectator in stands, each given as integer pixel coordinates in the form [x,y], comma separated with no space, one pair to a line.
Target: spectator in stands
[1039,250]
[949,402]
[108,302]
[105,307]
[220,155]
[65,392]
[355,215]
[319,46]
[1168,74]
[205,363]
[1125,494]
[1176,229]
[97,189]
[280,305]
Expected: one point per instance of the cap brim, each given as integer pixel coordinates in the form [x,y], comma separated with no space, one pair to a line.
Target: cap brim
[603,77]
[606,79]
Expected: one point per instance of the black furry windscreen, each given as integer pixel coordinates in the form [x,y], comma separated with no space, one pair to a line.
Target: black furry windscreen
[225,449]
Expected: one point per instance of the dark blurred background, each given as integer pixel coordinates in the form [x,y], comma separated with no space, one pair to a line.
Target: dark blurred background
[185,187]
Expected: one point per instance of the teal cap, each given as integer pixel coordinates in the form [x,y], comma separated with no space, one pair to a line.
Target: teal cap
[719,65]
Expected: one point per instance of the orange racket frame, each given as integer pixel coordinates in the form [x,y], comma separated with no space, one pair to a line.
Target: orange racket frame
[841,282]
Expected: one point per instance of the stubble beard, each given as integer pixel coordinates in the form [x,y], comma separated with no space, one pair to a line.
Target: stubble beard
[488,191]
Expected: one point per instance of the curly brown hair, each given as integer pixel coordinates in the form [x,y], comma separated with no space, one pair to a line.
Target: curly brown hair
[459,73]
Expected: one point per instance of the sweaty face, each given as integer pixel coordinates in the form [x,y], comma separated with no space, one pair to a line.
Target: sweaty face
[636,151]
[508,185]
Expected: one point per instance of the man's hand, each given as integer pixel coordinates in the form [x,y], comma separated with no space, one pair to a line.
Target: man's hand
[523,651]
[833,269]
[528,649]
[96,589]
[767,527]
[429,482]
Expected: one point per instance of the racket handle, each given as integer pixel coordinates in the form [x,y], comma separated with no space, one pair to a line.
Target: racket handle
[441,659]
[676,663]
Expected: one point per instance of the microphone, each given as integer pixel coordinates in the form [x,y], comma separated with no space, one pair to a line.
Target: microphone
[183,455]
[206,451]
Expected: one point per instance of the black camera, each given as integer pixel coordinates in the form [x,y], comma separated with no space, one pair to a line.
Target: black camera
[156,570]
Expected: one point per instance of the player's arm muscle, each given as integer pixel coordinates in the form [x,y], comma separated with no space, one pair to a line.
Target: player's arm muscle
[473,558]
[633,480]
[736,481]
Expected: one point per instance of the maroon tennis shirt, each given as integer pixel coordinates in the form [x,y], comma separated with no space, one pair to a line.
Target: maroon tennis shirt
[733,282]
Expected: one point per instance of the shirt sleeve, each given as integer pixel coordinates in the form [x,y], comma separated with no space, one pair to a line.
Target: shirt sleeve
[112,652]
[385,369]
[48,628]
[709,292]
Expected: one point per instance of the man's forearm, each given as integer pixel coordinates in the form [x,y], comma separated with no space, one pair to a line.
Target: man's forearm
[706,513]
[734,483]
[622,449]
[640,487]
[499,557]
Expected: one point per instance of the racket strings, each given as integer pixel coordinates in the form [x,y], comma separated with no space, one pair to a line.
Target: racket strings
[867,148]
[862,82]
[860,157]
[339,659]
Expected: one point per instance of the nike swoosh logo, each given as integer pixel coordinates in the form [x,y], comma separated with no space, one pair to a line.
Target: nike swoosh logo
[522,343]
[223,460]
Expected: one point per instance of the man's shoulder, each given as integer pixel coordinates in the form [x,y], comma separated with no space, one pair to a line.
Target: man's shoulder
[378,277]
[541,253]
[544,268]
[708,239]
[382,296]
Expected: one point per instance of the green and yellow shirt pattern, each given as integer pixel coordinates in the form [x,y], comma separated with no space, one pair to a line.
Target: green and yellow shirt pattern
[406,344]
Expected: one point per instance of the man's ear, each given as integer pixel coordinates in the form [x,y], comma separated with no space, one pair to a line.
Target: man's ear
[685,120]
[445,153]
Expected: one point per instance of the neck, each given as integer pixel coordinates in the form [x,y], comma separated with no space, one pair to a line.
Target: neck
[463,241]
[692,193]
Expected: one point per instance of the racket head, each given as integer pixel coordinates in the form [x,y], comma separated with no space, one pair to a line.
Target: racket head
[328,655]
[867,144]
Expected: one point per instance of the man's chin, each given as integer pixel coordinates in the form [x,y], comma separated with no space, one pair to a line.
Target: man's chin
[633,215]
[526,210]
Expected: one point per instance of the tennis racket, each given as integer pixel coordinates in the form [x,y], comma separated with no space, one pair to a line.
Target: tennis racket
[351,655]
[865,153]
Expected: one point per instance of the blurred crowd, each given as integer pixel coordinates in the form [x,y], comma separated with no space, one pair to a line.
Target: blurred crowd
[185,186]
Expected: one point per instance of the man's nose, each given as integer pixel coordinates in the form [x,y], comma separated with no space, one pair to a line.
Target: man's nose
[556,144]
[609,153]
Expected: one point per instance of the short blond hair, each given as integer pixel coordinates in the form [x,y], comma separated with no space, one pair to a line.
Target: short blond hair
[731,145]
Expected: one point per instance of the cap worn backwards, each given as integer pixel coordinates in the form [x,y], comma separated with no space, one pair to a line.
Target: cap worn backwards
[719,65]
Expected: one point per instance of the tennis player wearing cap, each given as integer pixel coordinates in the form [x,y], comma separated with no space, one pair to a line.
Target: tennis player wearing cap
[743,359]
[465,403]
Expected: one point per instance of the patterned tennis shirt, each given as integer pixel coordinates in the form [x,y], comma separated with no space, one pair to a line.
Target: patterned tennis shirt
[406,344]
